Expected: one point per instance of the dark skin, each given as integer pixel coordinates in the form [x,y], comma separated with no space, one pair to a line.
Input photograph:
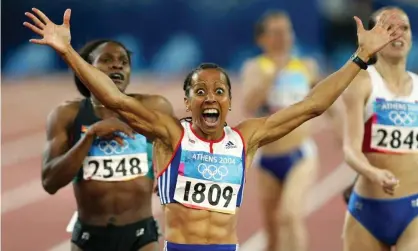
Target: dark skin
[98,203]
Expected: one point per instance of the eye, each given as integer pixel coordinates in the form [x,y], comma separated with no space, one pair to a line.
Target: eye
[200,92]
[220,91]
[107,60]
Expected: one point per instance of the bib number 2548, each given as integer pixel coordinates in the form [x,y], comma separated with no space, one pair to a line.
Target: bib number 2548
[124,167]
[212,193]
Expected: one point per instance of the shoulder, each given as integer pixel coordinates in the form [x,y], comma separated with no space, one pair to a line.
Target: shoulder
[67,109]
[312,69]
[254,65]
[64,114]
[310,63]
[154,102]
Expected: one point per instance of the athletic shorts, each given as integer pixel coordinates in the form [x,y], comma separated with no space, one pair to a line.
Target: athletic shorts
[129,237]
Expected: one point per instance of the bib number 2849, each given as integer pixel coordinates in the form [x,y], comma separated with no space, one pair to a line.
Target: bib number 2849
[397,139]
[212,193]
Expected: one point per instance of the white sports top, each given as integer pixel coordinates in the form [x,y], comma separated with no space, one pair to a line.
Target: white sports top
[391,122]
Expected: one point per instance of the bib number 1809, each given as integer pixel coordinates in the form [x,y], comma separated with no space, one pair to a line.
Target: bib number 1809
[213,194]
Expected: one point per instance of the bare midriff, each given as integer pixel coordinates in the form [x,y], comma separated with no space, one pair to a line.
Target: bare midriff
[403,166]
[193,226]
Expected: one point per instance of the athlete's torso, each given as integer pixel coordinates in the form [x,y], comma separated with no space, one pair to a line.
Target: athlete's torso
[391,134]
[291,85]
[202,187]
[115,182]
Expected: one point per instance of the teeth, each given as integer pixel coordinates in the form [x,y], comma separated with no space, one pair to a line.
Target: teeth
[210,111]
[116,76]
[397,43]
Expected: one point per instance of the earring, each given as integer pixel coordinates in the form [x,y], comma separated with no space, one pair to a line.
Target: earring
[187,110]
[230,108]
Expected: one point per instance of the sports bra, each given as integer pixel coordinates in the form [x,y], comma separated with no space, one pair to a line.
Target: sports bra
[208,175]
[391,122]
[106,160]
[290,86]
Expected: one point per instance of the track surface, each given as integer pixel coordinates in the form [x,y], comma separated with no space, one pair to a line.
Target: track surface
[34,221]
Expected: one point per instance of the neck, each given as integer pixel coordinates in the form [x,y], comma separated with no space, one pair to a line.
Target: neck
[275,55]
[392,71]
[213,136]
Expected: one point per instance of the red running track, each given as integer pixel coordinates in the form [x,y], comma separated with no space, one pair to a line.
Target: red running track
[33,220]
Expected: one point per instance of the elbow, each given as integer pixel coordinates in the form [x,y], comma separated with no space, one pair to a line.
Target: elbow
[48,187]
[47,184]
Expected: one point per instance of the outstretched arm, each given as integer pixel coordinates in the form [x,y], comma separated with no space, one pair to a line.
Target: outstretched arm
[258,132]
[147,121]
[322,96]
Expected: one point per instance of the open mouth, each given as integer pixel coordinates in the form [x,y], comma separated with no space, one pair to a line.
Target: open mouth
[211,116]
[398,44]
[117,76]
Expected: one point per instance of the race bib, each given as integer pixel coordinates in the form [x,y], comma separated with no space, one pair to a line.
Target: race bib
[209,181]
[109,161]
[395,127]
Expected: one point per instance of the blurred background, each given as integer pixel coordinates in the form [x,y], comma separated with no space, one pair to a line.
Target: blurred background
[168,38]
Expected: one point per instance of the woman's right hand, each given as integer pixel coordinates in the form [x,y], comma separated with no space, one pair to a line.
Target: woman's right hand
[109,129]
[56,36]
[385,179]
[387,29]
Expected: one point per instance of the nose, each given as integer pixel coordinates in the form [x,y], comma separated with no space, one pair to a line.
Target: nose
[117,65]
[210,98]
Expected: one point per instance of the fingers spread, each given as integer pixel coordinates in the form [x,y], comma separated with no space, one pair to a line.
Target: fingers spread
[33,28]
[67,16]
[35,20]
[359,24]
[41,15]
[37,41]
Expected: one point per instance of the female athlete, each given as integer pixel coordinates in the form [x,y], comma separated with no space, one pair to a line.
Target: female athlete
[202,162]
[287,166]
[104,172]
[381,144]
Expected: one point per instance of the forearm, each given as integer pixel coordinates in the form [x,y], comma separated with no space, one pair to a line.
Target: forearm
[358,161]
[61,170]
[326,92]
[96,81]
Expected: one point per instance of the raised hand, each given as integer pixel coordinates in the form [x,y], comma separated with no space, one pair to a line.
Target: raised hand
[56,36]
[387,29]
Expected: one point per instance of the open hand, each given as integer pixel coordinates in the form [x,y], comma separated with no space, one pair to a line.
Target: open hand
[387,29]
[56,36]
